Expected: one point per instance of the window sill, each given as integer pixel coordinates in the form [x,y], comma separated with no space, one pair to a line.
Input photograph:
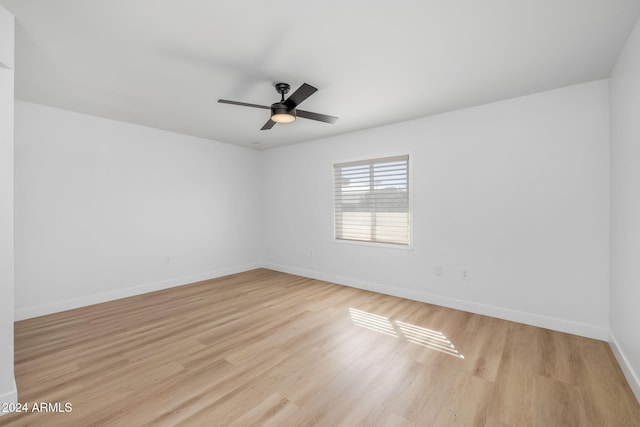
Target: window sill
[408,247]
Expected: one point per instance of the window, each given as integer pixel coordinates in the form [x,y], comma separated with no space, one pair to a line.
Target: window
[372,200]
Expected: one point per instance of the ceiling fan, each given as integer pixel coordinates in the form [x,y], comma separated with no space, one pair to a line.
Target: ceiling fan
[285,111]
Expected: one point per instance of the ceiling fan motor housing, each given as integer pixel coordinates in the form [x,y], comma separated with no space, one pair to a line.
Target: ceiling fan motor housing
[282,108]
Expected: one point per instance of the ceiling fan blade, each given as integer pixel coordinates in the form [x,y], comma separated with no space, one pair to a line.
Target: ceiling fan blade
[244,104]
[300,95]
[270,123]
[316,116]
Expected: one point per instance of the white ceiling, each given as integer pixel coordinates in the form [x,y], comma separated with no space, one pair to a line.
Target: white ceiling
[165,63]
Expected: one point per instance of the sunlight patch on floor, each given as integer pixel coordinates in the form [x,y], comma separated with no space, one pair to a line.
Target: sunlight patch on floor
[434,340]
[373,322]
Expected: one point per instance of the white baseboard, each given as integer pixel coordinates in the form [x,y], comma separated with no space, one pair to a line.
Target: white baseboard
[632,377]
[562,325]
[55,307]
[9,397]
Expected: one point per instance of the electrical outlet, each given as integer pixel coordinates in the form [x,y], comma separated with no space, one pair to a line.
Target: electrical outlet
[437,271]
[464,274]
[167,260]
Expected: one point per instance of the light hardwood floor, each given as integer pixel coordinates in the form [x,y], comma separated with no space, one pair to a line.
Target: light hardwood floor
[267,348]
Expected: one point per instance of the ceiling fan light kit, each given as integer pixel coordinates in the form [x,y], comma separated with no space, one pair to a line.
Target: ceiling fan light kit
[285,111]
[280,113]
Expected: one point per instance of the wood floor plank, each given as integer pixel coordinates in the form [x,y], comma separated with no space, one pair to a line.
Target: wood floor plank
[558,404]
[274,411]
[484,340]
[396,420]
[375,405]
[273,349]
[521,362]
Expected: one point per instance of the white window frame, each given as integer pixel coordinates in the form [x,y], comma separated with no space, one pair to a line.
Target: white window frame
[409,245]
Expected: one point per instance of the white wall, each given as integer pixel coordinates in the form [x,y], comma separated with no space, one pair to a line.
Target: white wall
[625,210]
[7,384]
[517,192]
[99,205]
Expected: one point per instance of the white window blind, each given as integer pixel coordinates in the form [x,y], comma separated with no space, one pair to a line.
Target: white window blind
[372,200]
